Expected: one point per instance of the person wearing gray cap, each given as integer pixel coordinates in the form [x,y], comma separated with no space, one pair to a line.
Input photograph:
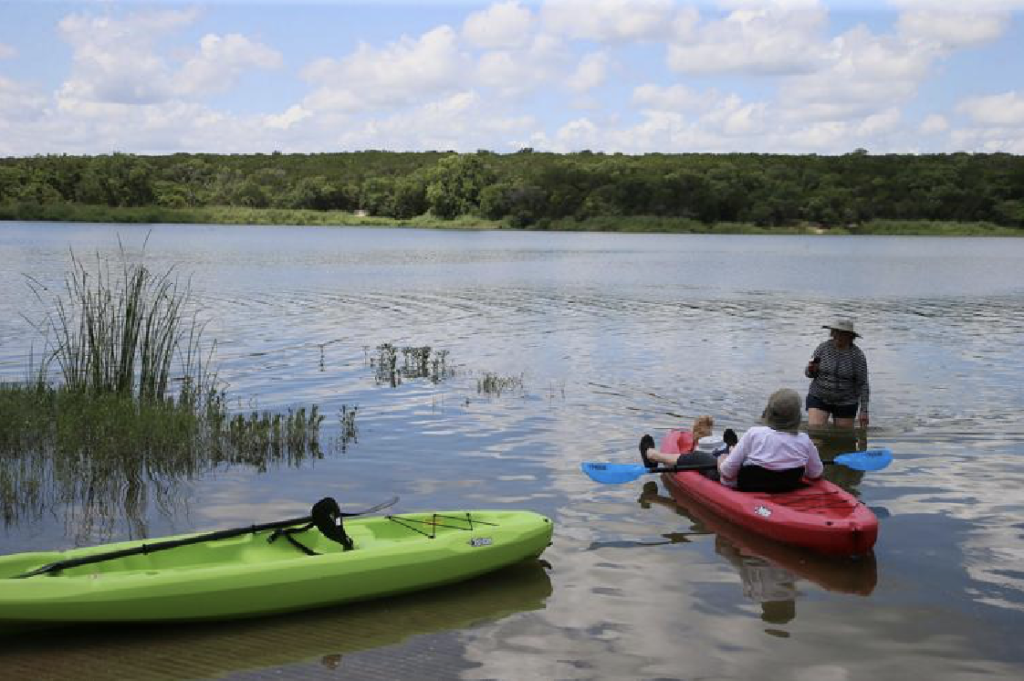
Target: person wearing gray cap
[774,457]
[839,379]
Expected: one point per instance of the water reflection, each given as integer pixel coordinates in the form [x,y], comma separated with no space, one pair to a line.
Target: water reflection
[618,335]
[99,489]
[327,639]
[768,570]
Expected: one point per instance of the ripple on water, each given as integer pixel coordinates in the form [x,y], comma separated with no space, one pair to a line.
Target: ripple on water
[613,336]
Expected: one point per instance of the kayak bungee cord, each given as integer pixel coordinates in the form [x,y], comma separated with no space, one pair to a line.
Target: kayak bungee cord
[433,523]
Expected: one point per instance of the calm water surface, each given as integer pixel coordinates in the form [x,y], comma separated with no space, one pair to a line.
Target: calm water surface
[612,336]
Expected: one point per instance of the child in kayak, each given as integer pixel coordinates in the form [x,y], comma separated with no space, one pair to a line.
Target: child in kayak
[770,458]
[687,444]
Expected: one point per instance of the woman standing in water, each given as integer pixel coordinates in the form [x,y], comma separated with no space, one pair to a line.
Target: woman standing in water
[839,385]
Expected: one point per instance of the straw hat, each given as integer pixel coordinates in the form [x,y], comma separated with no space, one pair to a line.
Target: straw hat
[845,325]
[783,410]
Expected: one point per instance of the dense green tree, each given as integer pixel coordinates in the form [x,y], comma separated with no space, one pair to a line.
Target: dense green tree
[455,185]
[410,197]
[529,188]
[376,195]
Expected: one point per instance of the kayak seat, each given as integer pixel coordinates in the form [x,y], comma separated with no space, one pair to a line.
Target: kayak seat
[754,478]
[326,516]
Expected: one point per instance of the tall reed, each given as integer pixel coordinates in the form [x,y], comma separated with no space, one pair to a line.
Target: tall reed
[135,407]
[121,333]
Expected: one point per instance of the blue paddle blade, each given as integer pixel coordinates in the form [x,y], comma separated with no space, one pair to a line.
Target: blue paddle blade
[868,460]
[613,473]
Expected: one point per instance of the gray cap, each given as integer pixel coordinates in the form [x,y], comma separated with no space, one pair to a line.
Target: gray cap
[783,410]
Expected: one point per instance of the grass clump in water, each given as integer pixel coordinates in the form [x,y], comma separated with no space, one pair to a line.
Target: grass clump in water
[347,421]
[417,362]
[134,406]
[493,384]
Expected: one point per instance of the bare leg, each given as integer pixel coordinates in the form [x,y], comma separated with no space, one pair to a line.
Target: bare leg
[662,458]
[844,423]
[818,418]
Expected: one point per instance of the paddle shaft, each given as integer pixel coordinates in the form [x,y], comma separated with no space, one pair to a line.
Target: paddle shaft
[174,543]
[711,467]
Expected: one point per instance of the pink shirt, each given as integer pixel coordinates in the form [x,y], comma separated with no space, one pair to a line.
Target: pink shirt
[772,449]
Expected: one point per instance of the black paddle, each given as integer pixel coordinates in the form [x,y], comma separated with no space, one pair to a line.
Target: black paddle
[174,543]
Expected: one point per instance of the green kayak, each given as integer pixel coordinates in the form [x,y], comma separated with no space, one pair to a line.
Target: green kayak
[273,568]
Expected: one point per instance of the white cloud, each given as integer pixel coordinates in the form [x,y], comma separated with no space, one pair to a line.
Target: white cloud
[976,5]
[115,60]
[289,118]
[590,73]
[865,72]
[745,120]
[934,124]
[514,73]
[755,38]
[671,98]
[464,121]
[609,20]
[1006,109]
[501,70]
[577,135]
[879,123]
[403,73]
[505,76]
[102,127]
[953,28]
[991,140]
[715,118]
[220,61]
[505,25]
[18,102]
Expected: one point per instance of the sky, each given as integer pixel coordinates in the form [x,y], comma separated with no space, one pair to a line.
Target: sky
[629,76]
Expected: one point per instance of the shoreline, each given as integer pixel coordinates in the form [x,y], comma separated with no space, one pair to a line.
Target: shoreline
[624,224]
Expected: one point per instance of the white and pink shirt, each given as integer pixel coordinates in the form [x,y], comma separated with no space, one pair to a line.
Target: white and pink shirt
[772,449]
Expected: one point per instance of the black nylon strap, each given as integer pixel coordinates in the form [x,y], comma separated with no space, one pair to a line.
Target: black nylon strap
[299,545]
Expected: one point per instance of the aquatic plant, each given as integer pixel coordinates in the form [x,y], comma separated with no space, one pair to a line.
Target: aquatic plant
[420,364]
[122,332]
[347,421]
[387,365]
[134,405]
[103,456]
[493,384]
[417,362]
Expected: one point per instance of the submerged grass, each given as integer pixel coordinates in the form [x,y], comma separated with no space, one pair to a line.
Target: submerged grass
[417,362]
[101,453]
[494,384]
[134,407]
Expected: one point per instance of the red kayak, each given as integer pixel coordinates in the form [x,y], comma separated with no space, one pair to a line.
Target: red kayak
[819,516]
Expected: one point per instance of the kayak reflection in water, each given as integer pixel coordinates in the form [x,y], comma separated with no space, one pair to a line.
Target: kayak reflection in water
[764,581]
[773,587]
[769,571]
[770,458]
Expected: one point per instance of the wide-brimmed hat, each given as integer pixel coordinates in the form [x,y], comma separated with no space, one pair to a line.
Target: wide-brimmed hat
[842,325]
[783,410]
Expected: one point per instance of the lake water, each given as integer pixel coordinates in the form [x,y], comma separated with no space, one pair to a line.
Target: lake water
[611,336]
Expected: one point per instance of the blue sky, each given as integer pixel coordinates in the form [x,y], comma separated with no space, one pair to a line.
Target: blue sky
[630,76]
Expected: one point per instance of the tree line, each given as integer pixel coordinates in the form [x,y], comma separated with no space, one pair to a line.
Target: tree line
[529,189]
